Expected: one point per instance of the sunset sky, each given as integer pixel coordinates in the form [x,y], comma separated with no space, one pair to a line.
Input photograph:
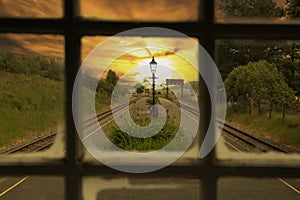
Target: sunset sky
[170,64]
[135,55]
[146,10]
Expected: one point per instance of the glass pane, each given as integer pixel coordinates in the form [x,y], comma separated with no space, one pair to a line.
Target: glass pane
[262,82]
[249,11]
[254,188]
[31,8]
[123,188]
[31,91]
[118,70]
[135,10]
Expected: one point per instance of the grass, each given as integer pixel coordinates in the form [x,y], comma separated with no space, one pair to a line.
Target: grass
[149,101]
[158,141]
[286,131]
[29,105]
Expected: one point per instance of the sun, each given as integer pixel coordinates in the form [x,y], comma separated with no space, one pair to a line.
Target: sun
[134,69]
[165,70]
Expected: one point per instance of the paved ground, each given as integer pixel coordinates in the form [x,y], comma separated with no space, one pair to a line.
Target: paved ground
[142,109]
[48,188]
[32,188]
[229,189]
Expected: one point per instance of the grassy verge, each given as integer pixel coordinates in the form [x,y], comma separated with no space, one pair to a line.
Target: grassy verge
[161,139]
[286,131]
[29,104]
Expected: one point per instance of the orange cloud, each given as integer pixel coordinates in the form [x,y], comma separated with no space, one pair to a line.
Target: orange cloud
[31,8]
[124,54]
[44,45]
[131,50]
[146,10]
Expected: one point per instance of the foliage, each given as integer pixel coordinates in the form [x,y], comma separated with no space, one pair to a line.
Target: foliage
[112,78]
[161,139]
[45,67]
[251,8]
[231,54]
[260,9]
[139,88]
[149,101]
[105,88]
[293,10]
[291,72]
[258,83]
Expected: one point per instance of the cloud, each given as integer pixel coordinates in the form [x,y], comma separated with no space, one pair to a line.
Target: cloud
[121,54]
[124,54]
[31,8]
[146,10]
[50,45]
[31,44]
[136,10]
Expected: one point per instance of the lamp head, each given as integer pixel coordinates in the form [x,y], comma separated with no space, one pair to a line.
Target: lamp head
[153,65]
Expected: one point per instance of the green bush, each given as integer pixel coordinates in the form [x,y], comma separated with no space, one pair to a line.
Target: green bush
[43,66]
[149,100]
[158,141]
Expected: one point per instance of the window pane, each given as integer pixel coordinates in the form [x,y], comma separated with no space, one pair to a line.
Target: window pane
[249,11]
[118,69]
[32,187]
[262,81]
[135,10]
[31,8]
[254,188]
[125,188]
[31,90]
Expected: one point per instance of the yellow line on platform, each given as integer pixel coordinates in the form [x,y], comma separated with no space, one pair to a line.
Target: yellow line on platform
[279,179]
[13,186]
[287,184]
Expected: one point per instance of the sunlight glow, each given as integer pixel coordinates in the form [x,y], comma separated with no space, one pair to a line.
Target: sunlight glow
[164,70]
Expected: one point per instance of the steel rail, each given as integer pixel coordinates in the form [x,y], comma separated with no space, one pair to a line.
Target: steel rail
[255,141]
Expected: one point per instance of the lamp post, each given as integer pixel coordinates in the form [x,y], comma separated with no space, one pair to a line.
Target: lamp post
[153,66]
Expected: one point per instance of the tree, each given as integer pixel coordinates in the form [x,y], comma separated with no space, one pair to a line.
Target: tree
[139,88]
[112,78]
[251,8]
[293,10]
[55,71]
[107,86]
[231,54]
[285,54]
[104,88]
[291,72]
[258,83]
[28,64]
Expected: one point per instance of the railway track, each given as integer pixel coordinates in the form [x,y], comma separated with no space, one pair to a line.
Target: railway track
[44,142]
[247,141]
[251,142]
[39,144]
[106,114]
